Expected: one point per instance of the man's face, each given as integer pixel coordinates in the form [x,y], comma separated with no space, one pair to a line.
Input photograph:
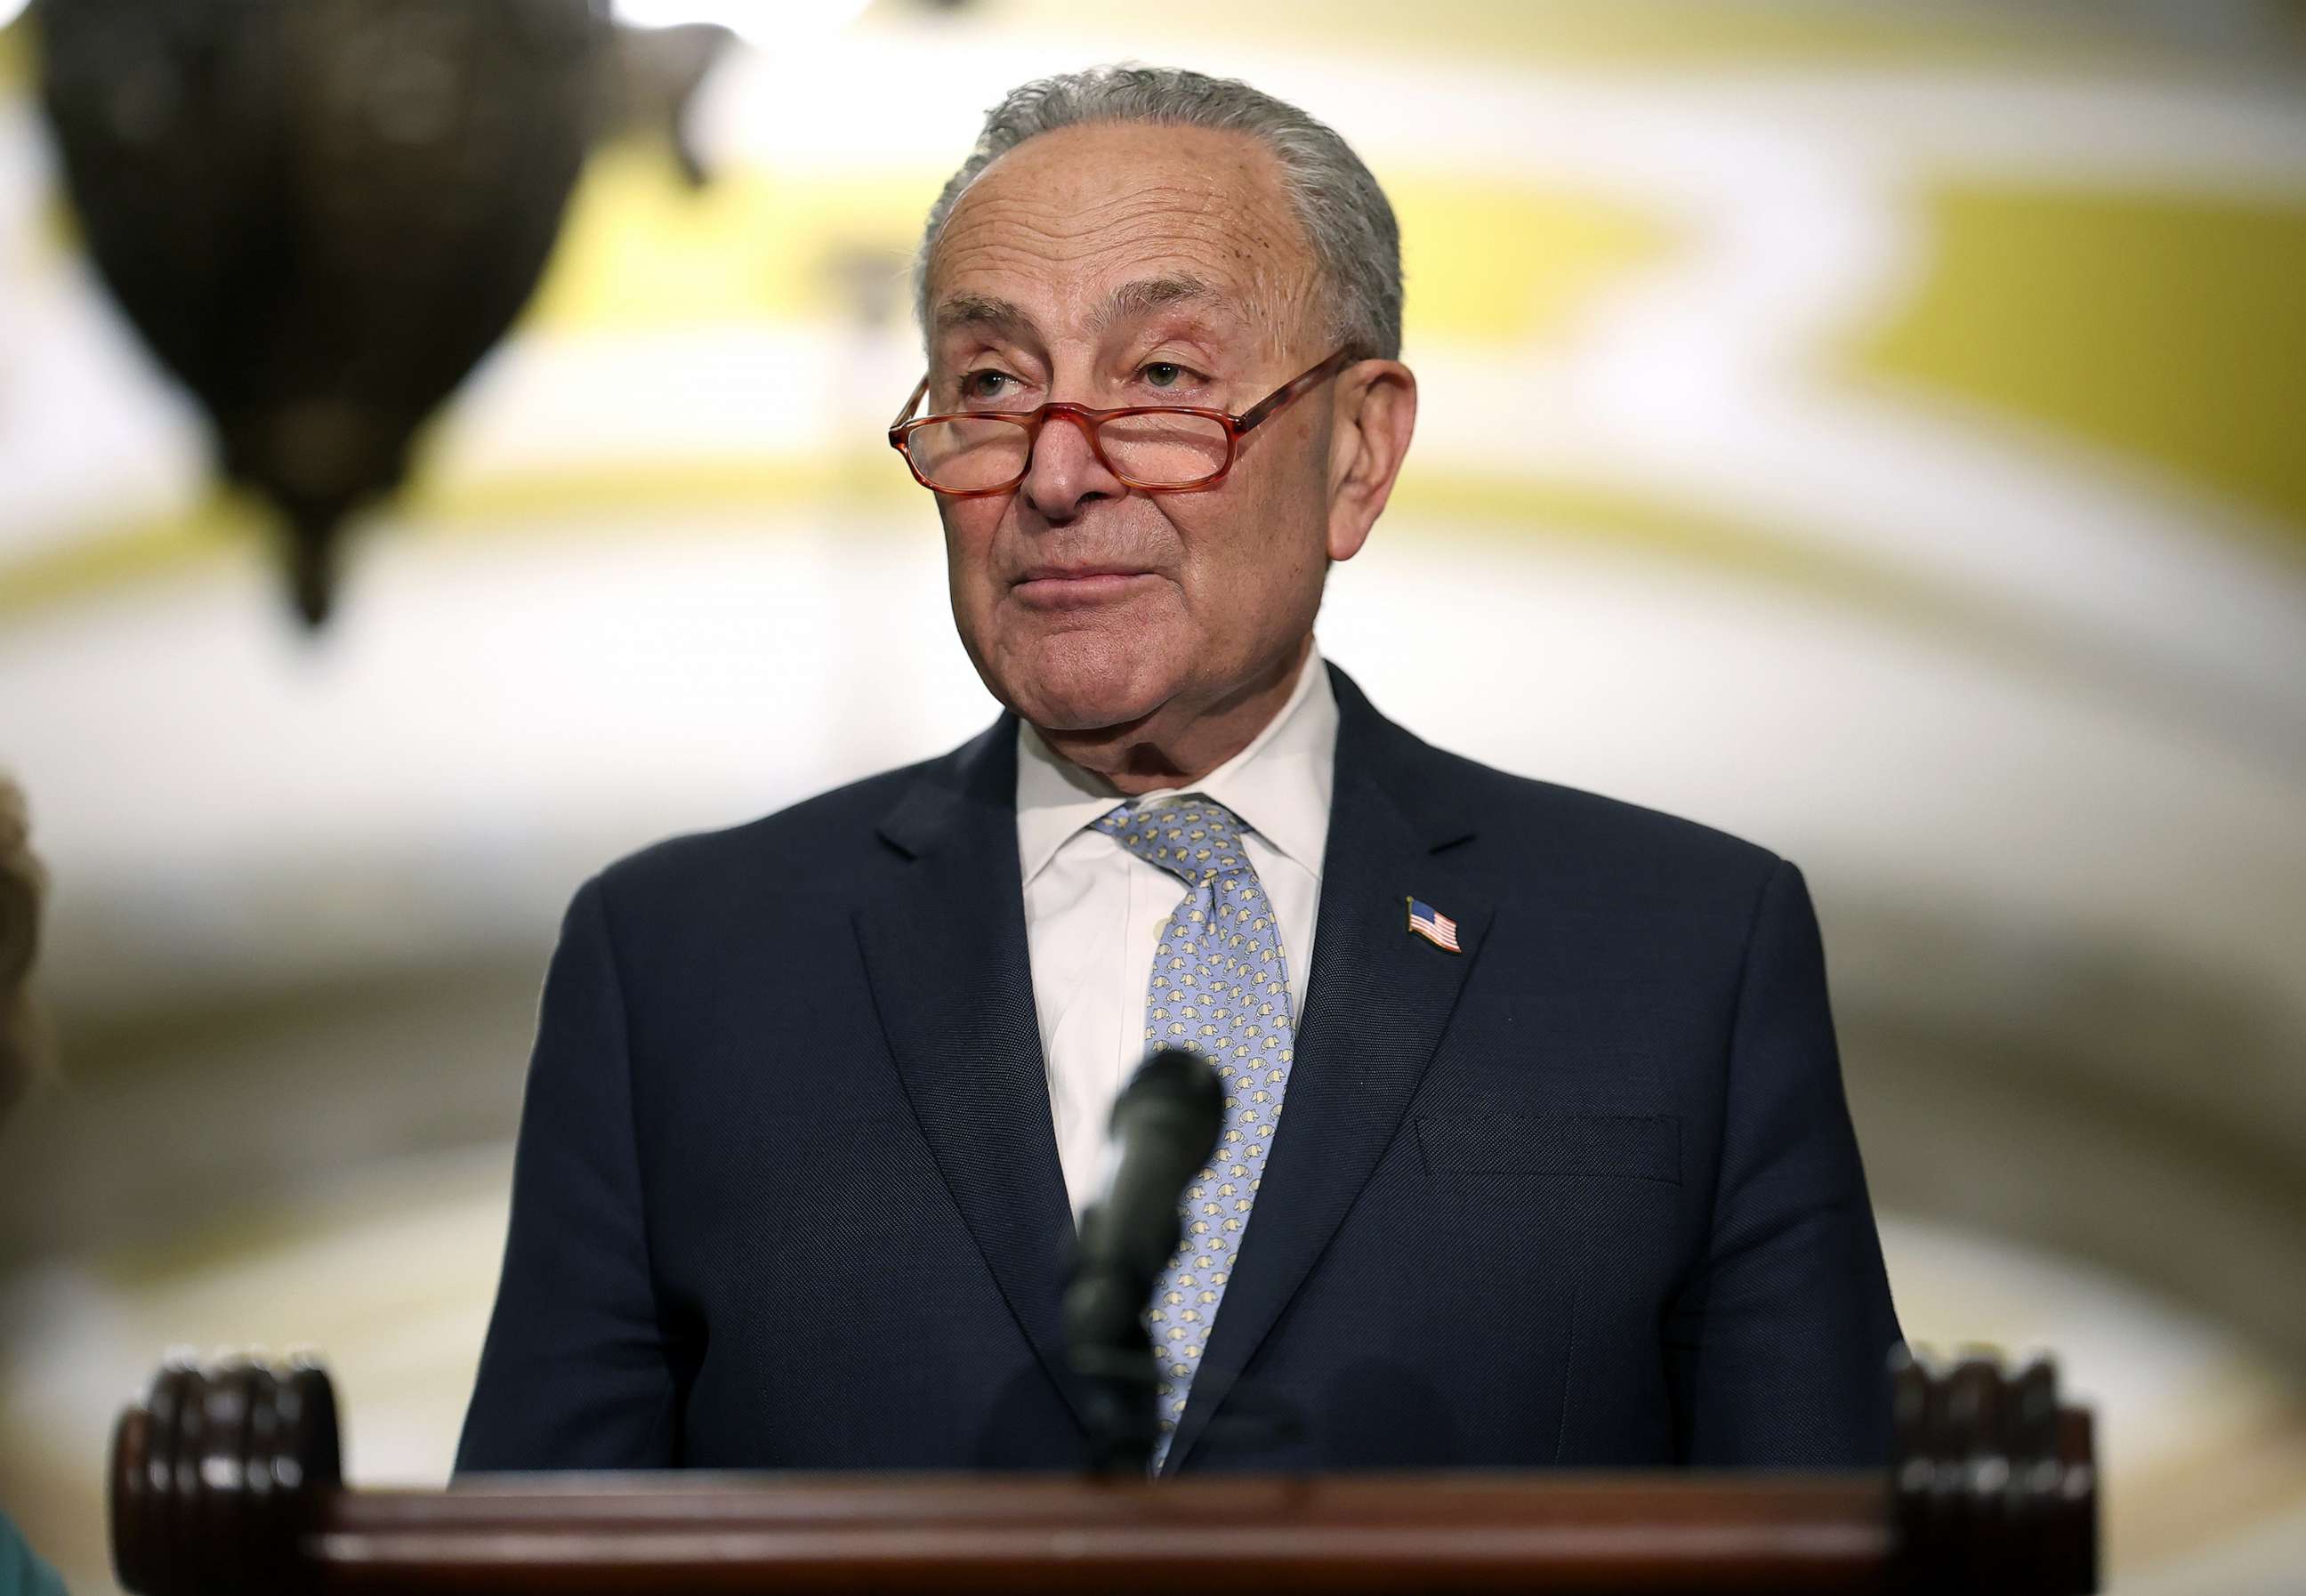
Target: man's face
[1116,265]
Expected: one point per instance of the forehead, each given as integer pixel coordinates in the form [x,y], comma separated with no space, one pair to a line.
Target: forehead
[1061,222]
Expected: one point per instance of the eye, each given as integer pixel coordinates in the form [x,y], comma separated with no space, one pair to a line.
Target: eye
[983,384]
[1162,373]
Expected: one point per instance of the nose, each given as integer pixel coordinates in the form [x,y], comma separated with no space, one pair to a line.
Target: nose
[1064,475]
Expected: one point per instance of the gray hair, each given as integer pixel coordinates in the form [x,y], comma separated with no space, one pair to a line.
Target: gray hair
[1348,224]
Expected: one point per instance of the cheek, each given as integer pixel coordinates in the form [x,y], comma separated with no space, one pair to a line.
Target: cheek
[970,527]
[1254,546]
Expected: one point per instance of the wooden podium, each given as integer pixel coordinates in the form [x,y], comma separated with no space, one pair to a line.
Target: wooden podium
[227,1478]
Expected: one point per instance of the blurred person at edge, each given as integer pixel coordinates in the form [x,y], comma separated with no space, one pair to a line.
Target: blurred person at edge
[1568,1177]
[21,1574]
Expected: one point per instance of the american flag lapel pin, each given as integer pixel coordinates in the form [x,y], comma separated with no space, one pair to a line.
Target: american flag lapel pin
[1433,926]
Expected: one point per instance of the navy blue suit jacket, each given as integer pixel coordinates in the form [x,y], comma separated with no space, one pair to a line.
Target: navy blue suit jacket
[787,1194]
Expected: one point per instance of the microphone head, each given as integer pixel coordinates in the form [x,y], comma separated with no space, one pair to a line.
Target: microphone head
[1176,1083]
[1163,1129]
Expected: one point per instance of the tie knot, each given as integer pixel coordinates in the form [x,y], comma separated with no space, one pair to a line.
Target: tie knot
[1190,836]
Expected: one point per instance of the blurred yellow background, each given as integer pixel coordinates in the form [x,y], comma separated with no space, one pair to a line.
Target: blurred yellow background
[1873,428]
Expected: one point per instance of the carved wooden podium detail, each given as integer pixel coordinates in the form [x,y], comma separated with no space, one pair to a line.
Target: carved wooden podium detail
[226,1479]
[217,1476]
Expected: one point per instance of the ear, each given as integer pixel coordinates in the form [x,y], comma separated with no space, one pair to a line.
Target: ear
[1373,414]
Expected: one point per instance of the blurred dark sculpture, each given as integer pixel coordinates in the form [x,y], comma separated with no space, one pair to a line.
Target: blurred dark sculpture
[21,1045]
[658,70]
[319,214]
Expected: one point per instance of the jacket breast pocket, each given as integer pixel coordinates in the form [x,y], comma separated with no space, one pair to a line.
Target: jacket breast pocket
[1625,1146]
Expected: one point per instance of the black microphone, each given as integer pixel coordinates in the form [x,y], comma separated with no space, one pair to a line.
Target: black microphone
[1163,1128]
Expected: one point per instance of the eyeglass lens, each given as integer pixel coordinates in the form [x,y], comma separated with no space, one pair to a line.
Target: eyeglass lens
[1161,449]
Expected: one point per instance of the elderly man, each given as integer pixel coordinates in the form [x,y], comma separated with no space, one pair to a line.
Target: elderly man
[1565,1176]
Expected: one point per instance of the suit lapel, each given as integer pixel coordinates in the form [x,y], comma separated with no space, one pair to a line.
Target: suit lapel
[1377,1005]
[944,951]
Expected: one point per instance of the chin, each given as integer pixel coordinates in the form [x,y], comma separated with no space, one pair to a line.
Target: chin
[1086,681]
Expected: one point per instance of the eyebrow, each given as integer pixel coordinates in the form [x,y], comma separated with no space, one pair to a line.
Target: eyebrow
[981,310]
[1127,302]
[1146,294]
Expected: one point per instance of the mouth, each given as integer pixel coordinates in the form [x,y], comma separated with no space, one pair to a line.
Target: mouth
[1075,587]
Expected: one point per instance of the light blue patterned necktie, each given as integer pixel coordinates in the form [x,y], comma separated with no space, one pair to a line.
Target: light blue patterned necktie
[1220,988]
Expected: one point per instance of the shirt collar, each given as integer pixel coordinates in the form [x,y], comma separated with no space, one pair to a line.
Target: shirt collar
[1278,786]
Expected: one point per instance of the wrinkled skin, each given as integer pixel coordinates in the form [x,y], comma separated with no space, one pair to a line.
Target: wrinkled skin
[1149,635]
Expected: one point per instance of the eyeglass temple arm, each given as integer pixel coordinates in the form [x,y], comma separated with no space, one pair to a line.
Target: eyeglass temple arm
[911,404]
[1290,389]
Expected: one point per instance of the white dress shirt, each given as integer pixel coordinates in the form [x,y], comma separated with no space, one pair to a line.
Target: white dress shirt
[1094,911]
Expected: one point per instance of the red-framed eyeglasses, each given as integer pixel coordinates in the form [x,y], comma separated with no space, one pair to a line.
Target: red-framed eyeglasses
[1156,449]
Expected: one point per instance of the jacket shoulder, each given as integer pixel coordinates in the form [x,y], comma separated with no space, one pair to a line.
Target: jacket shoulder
[829,835]
[1610,841]
[1602,851]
